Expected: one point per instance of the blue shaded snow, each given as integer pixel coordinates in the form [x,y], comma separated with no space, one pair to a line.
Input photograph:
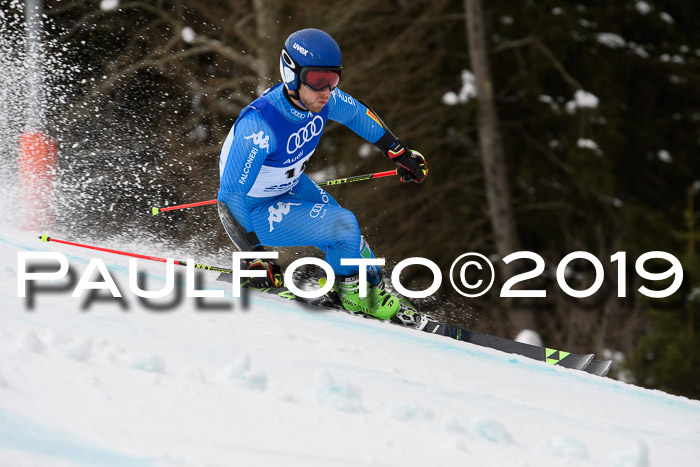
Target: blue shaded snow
[389,331]
[22,434]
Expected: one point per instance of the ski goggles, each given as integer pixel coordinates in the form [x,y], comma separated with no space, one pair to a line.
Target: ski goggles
[318,79]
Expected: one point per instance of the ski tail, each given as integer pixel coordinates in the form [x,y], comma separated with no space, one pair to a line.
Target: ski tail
[543,354]
[599,367]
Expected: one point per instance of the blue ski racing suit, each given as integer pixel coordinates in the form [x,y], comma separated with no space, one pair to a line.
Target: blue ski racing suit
[263,184]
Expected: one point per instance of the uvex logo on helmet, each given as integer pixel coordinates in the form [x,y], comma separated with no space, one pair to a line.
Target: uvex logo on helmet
[301,49]
[308,48]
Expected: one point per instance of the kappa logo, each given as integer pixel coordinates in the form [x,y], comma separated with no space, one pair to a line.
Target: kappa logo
[308,132]
[260,139]
[301,49]
[277,213]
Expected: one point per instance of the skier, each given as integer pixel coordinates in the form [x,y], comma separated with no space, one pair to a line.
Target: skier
[266,199]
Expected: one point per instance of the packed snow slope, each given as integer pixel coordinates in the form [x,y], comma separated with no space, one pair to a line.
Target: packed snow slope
[277,384]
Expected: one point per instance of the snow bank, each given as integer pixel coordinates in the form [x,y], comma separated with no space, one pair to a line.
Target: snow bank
[279,384]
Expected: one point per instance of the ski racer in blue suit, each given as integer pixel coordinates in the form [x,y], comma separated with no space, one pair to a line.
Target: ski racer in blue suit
[265,198]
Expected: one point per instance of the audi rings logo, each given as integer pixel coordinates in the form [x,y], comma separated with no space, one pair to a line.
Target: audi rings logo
[305,134]
[317,210]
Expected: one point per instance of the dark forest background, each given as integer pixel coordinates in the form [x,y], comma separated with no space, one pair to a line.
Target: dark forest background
[142,95]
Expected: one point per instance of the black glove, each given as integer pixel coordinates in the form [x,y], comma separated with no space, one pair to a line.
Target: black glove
[274,277]
[412,165]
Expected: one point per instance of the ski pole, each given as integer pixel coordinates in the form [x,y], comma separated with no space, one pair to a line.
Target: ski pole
[357,178]
[46,238]
[155,211]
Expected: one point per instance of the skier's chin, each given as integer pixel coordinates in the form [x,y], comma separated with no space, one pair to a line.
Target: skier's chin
[315,107]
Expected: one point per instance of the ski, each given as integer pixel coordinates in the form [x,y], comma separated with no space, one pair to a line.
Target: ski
[543,354]
[557,357]
[599,367]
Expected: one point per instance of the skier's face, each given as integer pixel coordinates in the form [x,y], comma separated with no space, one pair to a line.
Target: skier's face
[314,100]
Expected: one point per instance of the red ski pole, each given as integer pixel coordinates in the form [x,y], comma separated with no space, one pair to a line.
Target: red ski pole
[46,238]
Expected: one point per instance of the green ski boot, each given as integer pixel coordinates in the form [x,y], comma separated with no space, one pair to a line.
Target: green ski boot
[378,302]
